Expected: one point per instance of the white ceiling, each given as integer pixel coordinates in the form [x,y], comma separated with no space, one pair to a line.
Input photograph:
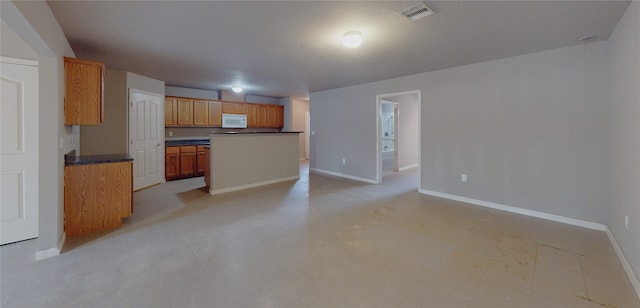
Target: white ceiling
[291,48]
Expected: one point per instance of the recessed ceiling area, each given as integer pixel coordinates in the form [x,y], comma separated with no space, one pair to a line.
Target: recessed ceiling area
[292,48]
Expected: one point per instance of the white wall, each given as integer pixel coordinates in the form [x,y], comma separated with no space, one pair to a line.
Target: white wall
[34,22]
[625,102]
[192,93]
[11,45]
[530,131]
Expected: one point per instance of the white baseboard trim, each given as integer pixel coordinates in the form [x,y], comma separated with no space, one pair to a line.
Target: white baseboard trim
[252,185]
[625,263]
[407,167]
[342,175]
[517,210]
[51,252]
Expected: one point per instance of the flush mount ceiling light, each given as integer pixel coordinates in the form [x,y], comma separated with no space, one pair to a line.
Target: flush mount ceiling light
[236,89]
[352,39]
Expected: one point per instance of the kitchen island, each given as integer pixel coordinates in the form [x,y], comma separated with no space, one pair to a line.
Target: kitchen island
[244,160]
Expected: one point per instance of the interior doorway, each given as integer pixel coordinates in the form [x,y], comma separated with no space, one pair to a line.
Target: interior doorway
[398,132]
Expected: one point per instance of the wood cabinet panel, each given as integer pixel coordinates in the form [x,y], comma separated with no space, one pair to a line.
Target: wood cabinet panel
[279,116]
[234,107]
[215,114]
[188,160]
[97,196]
[200,161]
[271,116]
[185,112]
[84,92]
[200,113]
[263,116]
[170,111]
[252,115]
[172,163]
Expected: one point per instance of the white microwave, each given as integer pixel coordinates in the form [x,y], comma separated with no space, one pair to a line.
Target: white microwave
[230,120]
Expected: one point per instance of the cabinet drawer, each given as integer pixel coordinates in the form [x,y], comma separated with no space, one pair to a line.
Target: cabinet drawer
[173,150]
[188,149]
[201,148]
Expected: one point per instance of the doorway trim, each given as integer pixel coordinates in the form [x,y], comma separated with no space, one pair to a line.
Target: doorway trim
[379,99]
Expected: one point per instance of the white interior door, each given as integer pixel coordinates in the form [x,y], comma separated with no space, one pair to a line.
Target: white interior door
[146,137]
[18,150]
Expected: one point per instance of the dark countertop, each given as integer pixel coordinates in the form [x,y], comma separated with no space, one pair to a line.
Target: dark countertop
[175,143]
[70,159]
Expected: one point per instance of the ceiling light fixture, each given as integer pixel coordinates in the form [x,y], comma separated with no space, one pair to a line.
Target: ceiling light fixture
[352,39]
[236,89]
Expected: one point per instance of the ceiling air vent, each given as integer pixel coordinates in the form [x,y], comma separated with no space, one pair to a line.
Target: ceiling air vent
[418,11]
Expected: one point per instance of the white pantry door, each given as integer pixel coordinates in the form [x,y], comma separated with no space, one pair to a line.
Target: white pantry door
[146,137]
[18,150]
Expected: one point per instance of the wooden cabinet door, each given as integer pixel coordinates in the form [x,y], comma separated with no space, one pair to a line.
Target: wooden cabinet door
[263,114]
[185,112]
[187,160]
[234,107]
[215,114]
[170,111]
[280,116]
[200,161]
[271,116]
[252,115]
[200,113]
[172,163]
[83,92]
[207,168]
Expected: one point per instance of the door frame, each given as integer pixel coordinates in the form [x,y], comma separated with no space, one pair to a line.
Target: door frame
[379,99]
[162,140]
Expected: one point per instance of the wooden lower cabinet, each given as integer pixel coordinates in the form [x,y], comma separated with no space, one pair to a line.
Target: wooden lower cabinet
[207,168]
[172,163]
[188,161]
[184,162]
[97,196]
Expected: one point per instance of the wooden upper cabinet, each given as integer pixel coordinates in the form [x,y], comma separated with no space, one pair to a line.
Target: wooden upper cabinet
[84,92]
[185,112]
[280,116]
[215,114]
[271,116]
[263,115]
[200,113]
[252,115]
[233,107]
[170,111]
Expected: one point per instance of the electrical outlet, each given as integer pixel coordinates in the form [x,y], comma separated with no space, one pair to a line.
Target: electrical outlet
[170,133]
[626,222]
[344,161]
[463,178]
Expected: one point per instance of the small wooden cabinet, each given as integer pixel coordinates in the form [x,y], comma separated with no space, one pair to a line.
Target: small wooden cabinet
[185,112]
[263,115]
[279,116]
[170,111]
[200,113]
[97,196]
[188,160]
[172,163]
[83,92]
[200,160]
[207,167]
[215,114]
[252,115]
[234,107]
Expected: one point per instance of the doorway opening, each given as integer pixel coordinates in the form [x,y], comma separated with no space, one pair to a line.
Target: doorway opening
[398,132]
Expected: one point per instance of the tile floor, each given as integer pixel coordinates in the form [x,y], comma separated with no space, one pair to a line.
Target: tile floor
[319,242]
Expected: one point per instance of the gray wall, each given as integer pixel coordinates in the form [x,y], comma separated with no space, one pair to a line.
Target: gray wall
[530,131]
[407,135]
[261,99]
[298,109]
[193,93]
[34,22]
[111,136]
[625,102]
